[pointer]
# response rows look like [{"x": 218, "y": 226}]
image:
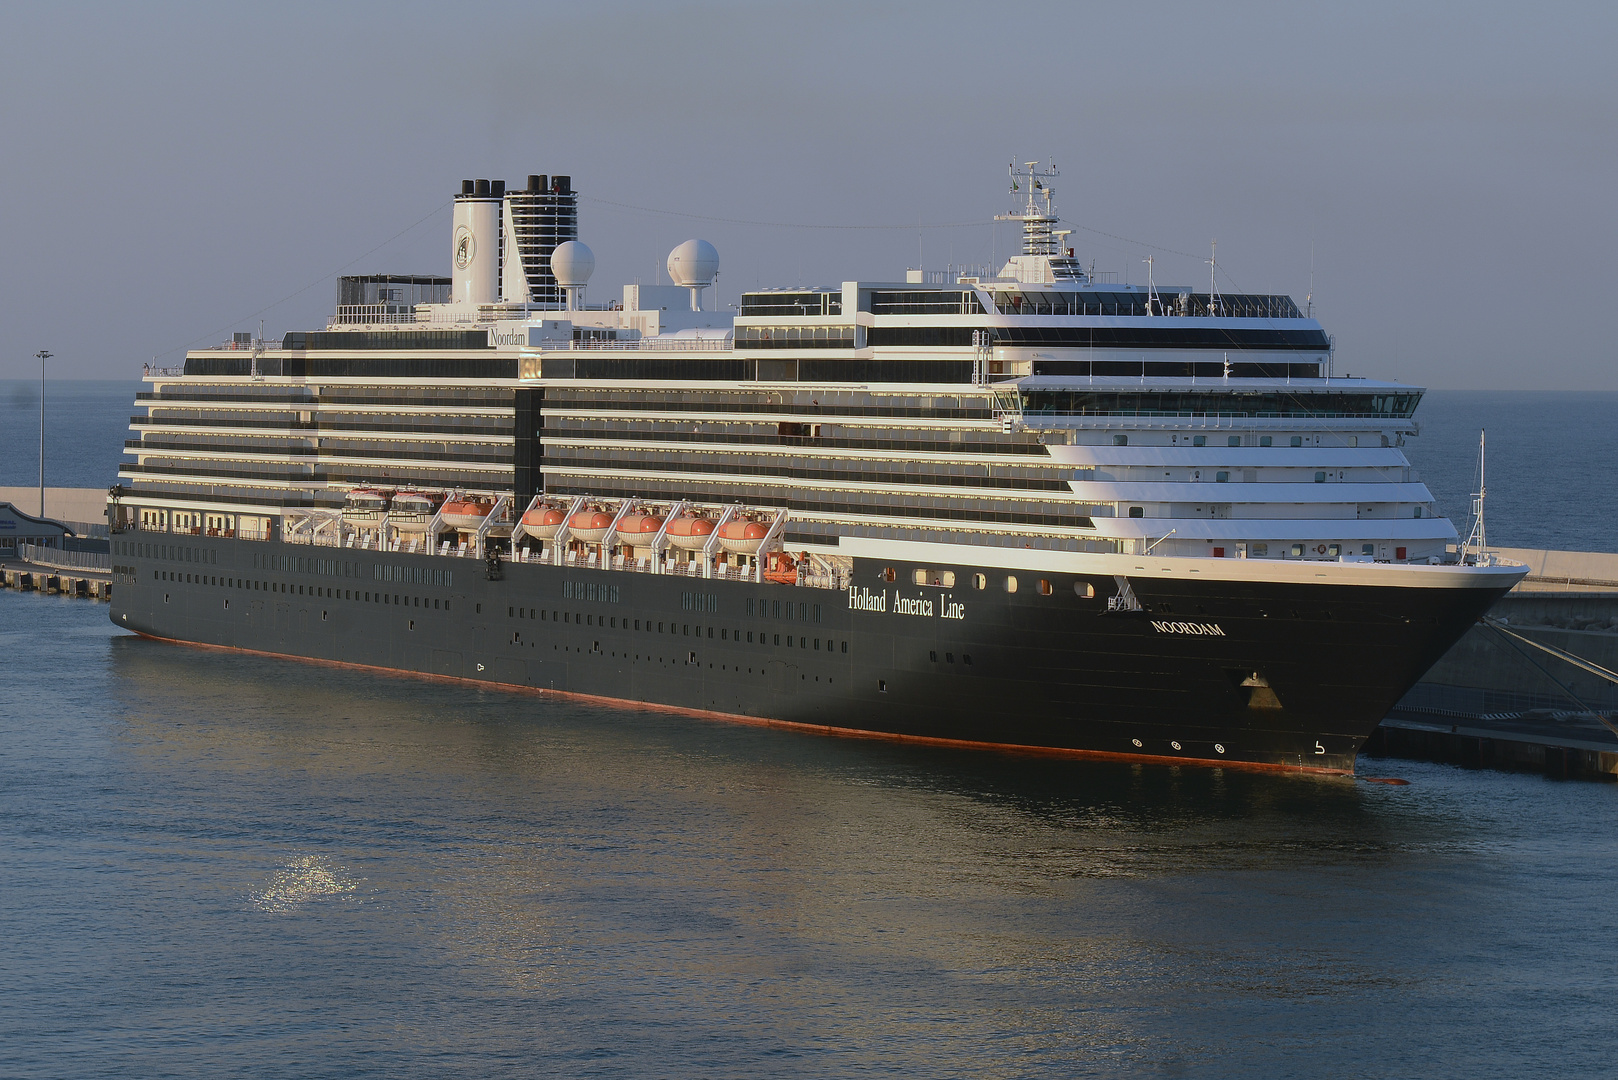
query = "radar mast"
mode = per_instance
[{"x": 1038, "y": 223}]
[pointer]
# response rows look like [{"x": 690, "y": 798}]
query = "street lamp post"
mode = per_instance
[{"x": 43, "y": 355}]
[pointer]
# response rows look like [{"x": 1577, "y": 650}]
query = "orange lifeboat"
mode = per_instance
[
  {"x": 639, "y": 529},
  {"x": 781, "y": 568},
  {"x": 742, "y": 537},
  {"x": 465, "y": 514},
  {"x": 589, "y": 525},
  {"x": 689, "y": 532},
  {"x": 542, "y": 521}
]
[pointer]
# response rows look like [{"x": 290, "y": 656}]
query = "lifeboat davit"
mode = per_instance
[
  {"x": 542, "y": 521},
  {"x": 589, "y": 525},
  {"x": 742, "y": 537},
  {"x": 365, "y": 504},
  {"x": 781, "y": 568},
  {"x": 465, "y": 513},
  {"x": 639, "y": 529},
  {"x": 689, "y": 532}
]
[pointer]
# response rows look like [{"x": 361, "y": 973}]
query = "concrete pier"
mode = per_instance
[
  {"x": 78, "y": 583},
  {"x": 1498, "y": 703}
]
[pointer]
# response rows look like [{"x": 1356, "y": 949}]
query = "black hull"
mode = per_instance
[{"x": 1052, "y": 672}]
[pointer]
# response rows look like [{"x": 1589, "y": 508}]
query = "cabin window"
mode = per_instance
[
  {"x": 1222, "y": 477},
  {"x": 1083, "y": 590},
  {"x": 1320, "y": 478},
  {"x": 980, "y": 581},
  {"x": 1120, "y": 440},
  {"x": 1011, "y": 583},
  {"x": 1353, "y": 440},
  {"x": 1297, "y": 551},
  {"x": 933, "y": 657},
  {"x": 889, "y": 574},
  {"x": 1367, "y": 549},
  {"x": 1261, "y": 550},
  {"x": 1137, "y": 511},
  {"x": 882, "y": 686},
  {"x": 1418, "y": 511},
  {"x": 1264, "y": 440},
  {"x": 945, "y": 578},
  {"x": 1044, "y": 587},
  {"x": 1334, "y": 550},
  {"x": 845, "y": 647},
  {"x": 1234, "y": 440},
  {"x": 1297, "y": 440},
  {"x": 1199, "y": 440}
]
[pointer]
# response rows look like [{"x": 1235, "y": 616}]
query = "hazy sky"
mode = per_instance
[{"x": 173, "y": 172}]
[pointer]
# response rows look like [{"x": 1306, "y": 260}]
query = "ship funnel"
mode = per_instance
[{"x": 475, "y": 256}]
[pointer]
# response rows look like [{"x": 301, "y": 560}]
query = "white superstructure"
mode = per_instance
[{"x": 1035, "y": 407}]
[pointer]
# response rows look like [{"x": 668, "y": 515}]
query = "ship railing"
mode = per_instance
[
  {"x": 717, "y": 344},
  {"x": 58, "y": 559},
  {"x": 324, "y": 531}
]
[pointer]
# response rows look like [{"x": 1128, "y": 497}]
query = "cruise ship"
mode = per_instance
[{"x": 1019, "y": 507}]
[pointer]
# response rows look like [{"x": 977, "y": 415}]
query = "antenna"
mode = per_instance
[
  {"x": 44, "y": 355},
  {"x": 1213, "y": 279},
  {"x": 1477, "y": 540},
  {"x": 1033, "y": 183},
  {"x": 1152, "y": 305},
  {"x": 1309, "y": 301}
]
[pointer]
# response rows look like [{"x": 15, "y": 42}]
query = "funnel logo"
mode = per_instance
[{"x": 465, "y": 248}]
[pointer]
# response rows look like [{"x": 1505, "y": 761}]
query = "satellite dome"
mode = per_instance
[
  {"x": 695, "y": 262},
  {"x": 572, "y": 264}
]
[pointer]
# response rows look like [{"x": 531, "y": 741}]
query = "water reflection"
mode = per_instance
[{"x": 474, "y": 881}]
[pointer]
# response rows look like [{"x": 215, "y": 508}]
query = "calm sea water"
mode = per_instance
[
  {"x": 1550, "y": 479},
  {"x": 219, "y": 865}
]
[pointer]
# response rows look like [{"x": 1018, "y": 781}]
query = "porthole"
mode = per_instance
[
  {"x": 1011, "y": 583},
  {"x": 1084, "y": 590},
  {"x": 1175, "y": 745},
  {"x": 980, "y": 581},
  {"x": 1219, "y": 748},
  {"x": 1136, "y": 742},
  {"x": 1137, "y": 511},
  {"x": 1045, "y": 587}
]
